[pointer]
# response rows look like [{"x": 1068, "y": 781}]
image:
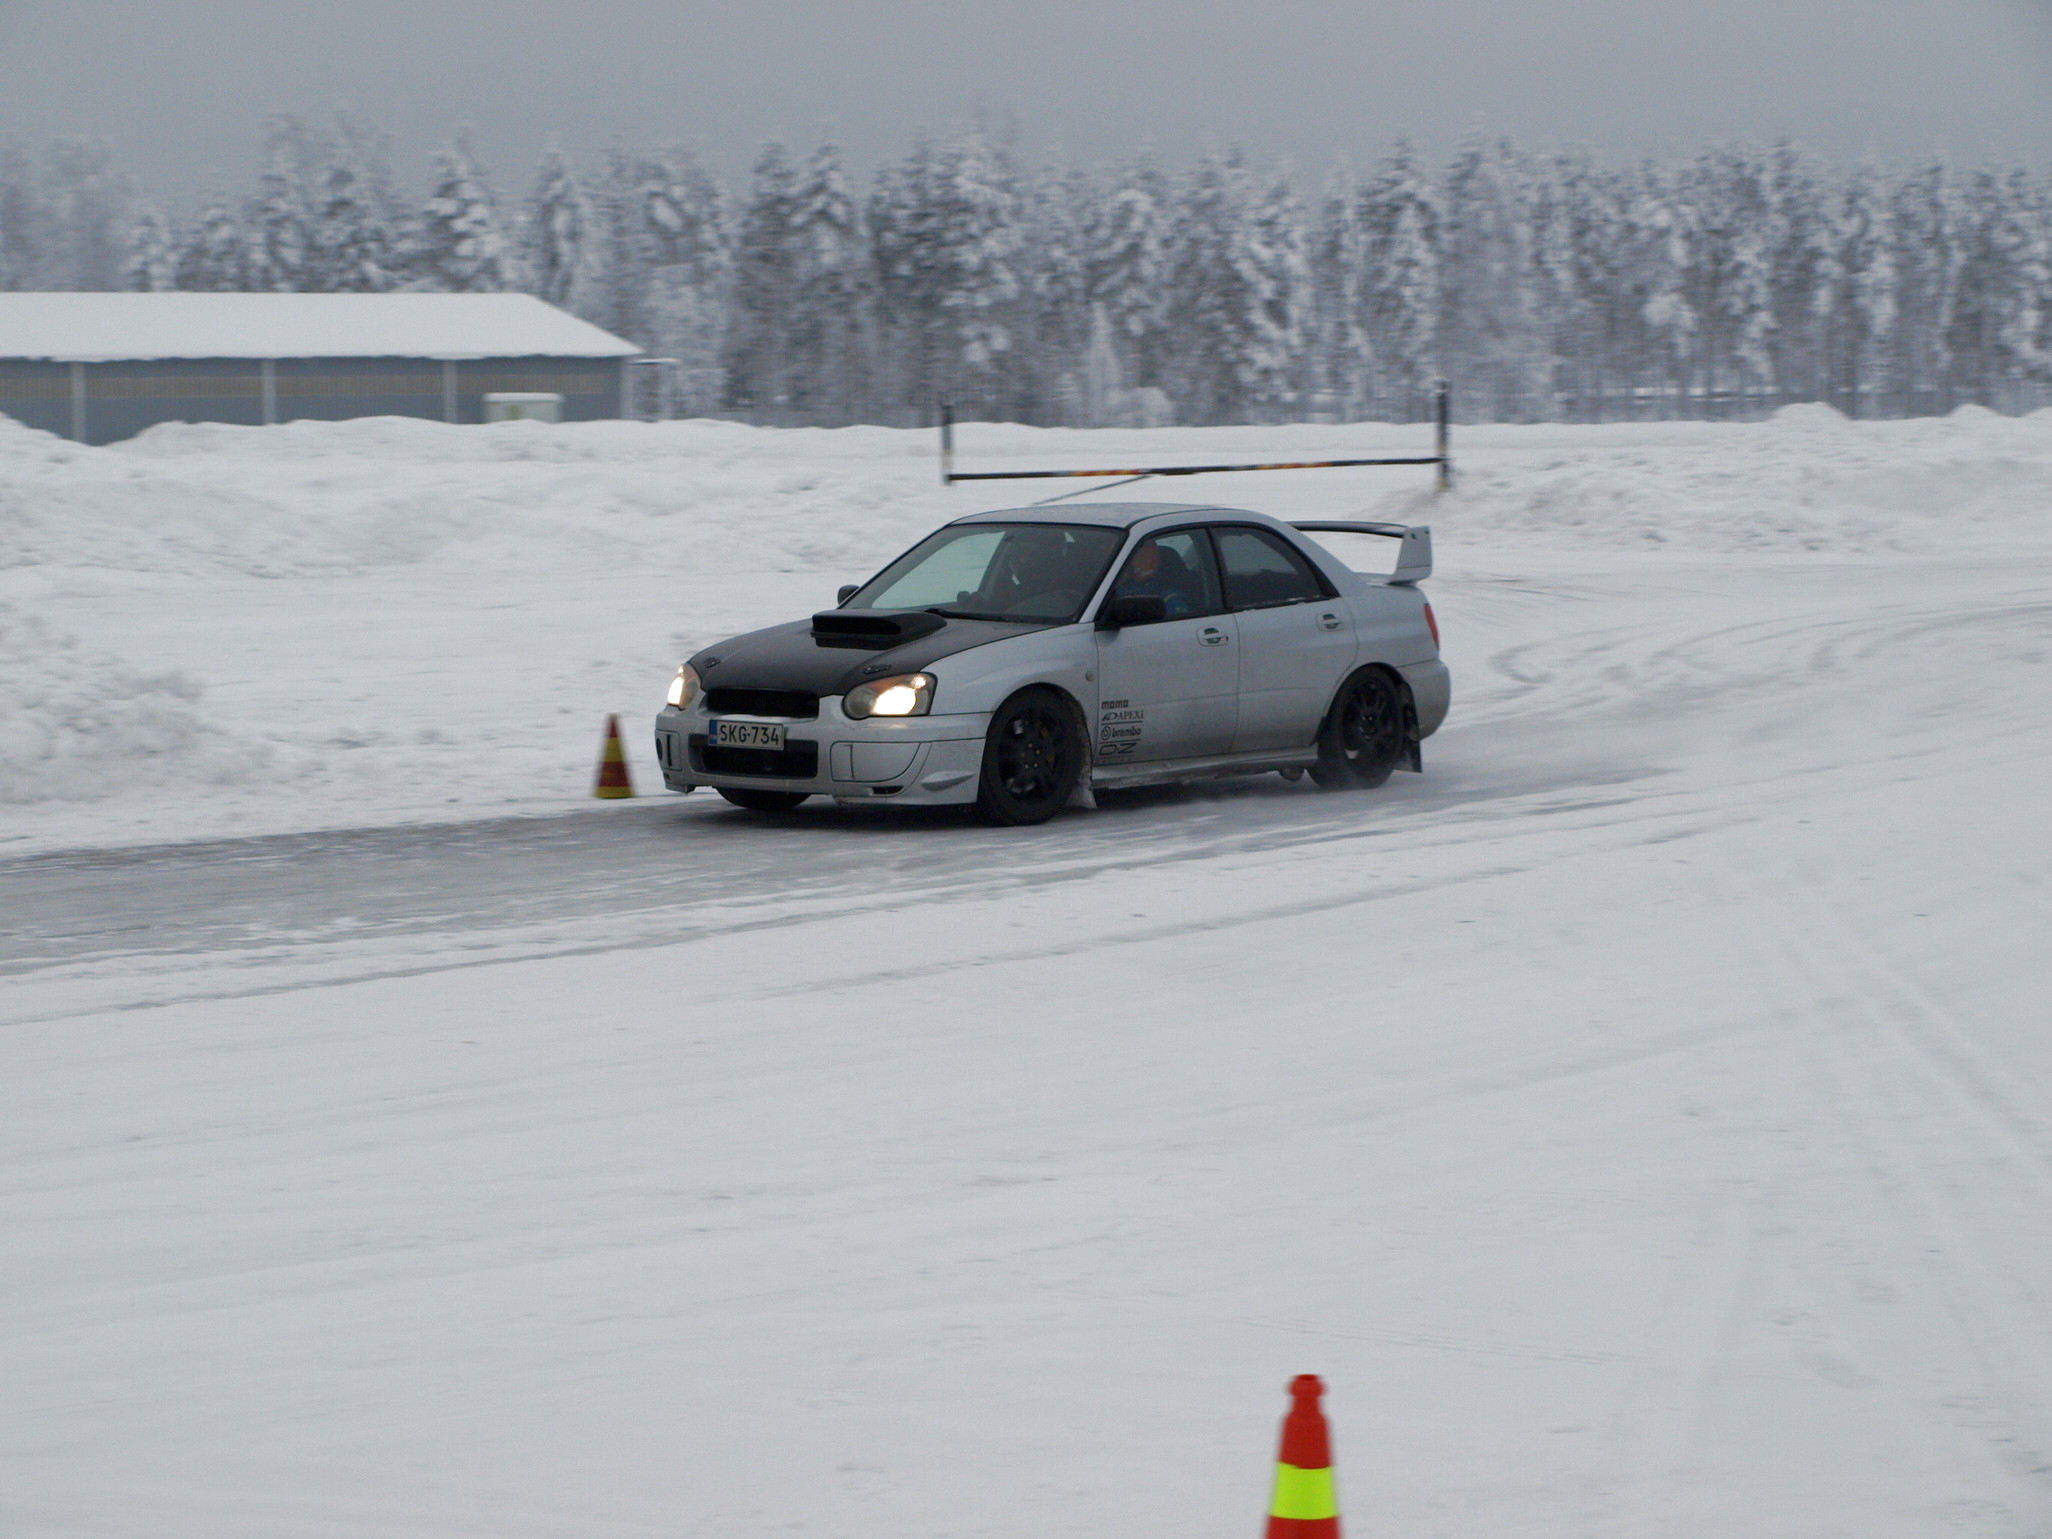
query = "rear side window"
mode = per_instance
[{"x": 1261, "y": 570}]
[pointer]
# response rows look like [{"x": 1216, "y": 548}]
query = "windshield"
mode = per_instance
[{"x": 1035, "y": 572}]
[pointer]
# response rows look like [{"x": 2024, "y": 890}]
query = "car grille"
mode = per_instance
[
  {"x": 797, "y": 761},
  {"x": 792, "y": 703}
]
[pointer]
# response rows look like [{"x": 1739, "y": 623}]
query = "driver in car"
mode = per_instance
[
  {"x": 1040, "y": 579},
  {"x": 1153, "y": 570}
]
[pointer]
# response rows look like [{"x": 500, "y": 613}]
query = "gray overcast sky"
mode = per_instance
[{"x": 181, "y": 89}]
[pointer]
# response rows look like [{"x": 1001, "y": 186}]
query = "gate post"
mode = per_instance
[{"x": 1443, "y": 411}]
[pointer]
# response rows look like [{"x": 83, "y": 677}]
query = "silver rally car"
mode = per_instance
[{"x": 1012, "y": 658}]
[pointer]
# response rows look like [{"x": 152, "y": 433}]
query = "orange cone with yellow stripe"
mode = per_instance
[
  {"x": 612, "y": 770},
  {"x": 1305, "y": 1506}
]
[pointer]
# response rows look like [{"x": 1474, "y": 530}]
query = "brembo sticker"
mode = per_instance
[{"x": 1119, "y": 729}]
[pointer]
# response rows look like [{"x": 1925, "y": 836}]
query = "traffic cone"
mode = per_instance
[
  {"x": 612, "y": 770},
  {"x": 1304, "y": 1506}
]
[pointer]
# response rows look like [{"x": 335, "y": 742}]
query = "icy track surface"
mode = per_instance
[{"x": 1643, "y": 1120}]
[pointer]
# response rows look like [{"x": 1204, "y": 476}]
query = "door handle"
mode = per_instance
[
  {"x": 1212, "y": 636},
  {"x": 1328, "y": 622}
]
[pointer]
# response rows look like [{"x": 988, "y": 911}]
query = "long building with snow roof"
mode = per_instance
[{"x": 101, "y": 367}]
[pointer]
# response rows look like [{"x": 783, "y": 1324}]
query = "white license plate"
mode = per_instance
[{"x": 744, "y": 734}]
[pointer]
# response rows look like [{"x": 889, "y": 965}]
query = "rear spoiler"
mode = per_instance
[{"x": 1414, "y": 560}]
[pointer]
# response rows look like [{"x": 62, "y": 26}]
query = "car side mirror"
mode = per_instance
[
  {"x": 848, "y": 591},
  {"x": 1133, "y": 609}
]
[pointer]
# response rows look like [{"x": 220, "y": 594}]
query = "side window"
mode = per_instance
[
  {"x": 1178, "y": 567},
  {"x": 1261, "y": 570}
]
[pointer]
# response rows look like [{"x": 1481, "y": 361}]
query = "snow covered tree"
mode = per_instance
[
  {"x": 84, "y": 217},
  {"x": 559, "y": 239},
  {"x": 459, "y": 244},
  {"x": 1871, "y": 285},
  {"x": 1400, "y": 217},
  {"x": 1806, "y": 275},
  {"x": 1562, "y": 307},
  {"x": 2019, "y": 238},
  {"x": 1662, "y": 232},
  {"x": 213, "y": 257},
  {"x": 1730, "y": 283},
  {"x": 945, "y": 230},
  {"x": 765, "y": 286},
  {"x": 1490, "y": 327},
  {"x": 1126, "y": 264},
  {"x": 1209, "y": 306},
  {"x": 20, "y": 219},
  {"x": 1056, "y": 323},
  {"x": 351, "y": 250},
  {"x": 662, "y": 263},
  {"x": 1929, "y": 221},
  {"x": 152, "y": 265},
  {"x": 1343, "y": 356},
  {"x": 830, "y": 342},
  {"x": 1239, "y": 292},
  {"x": 279, "y": 228},
  {"x": 1275, "y": 376},
  {"x": 978, "y": 221}
]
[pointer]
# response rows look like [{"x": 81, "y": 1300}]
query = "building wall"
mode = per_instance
[{"x": 123, "y": 398}]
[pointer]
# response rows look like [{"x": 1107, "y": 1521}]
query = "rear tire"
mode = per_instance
[
  {"x": 1361, "y": 740},
  {"x": 761, "y": 801},
  {"x": 1032, "y": 756}
]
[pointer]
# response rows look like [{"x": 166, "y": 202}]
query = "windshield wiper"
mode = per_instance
[{"x": 959, "y": 614}]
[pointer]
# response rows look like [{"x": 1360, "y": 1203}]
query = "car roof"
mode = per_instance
[{"x": 1115, "y": 515}]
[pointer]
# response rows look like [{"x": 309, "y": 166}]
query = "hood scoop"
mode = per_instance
[{"x": 873, "y": 628}]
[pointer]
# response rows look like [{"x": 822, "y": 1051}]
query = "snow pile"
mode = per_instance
[
  {"x": 412, "y": 619},
  {"x": 77, "y": 724},
  {"x": 1807, "y": 480},
  {"x": 319, "y": 498}
]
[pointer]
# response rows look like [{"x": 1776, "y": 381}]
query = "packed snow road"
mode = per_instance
[
  {"x": 1643, "y": 1119},
  {"x": 1580, "y": 692}
]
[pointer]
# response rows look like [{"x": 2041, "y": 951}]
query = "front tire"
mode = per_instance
[
  {"x": 761, "y": 801},
  {"x": 1361, "y": 740},
  {"x": 1032, "y": 756}
]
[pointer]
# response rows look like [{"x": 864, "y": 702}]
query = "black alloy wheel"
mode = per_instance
[
  {"x": 761, "y": 801},
  {"x": 1031, "y": 759},
  {"x": 1361, "y": 740}
]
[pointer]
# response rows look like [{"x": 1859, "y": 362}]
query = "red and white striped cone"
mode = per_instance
[{"x": 1305, "y": 1505}]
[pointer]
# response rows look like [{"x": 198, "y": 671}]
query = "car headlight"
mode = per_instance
[
  {"x": 903, "y": 694},
  {"x": 684, "y": 687}
]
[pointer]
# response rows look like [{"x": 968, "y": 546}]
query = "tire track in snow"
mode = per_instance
[{"x": 1927, "y": 1149}]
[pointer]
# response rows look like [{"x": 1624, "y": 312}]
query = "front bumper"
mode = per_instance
[{"x": 928, "y": 761}]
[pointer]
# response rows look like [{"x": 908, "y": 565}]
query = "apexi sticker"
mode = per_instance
[{"x": 1119, "y": 729}]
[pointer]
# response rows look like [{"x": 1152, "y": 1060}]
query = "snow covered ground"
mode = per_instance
[{"x": 1643, "y": 1120}]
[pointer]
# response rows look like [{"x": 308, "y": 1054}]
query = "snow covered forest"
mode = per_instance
[{"x": 1545, "y": 287}]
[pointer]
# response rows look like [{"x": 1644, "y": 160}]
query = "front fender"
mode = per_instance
[{"x": 982, "y": 680}]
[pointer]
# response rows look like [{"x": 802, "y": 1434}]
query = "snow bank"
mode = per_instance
[
  {"x": 66, "y": 710},
  {"x": 415, "y": 617},
  {"x": 318, "y": 498}
]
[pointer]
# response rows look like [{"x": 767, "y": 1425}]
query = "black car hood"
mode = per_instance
[{"x": 792, "y": 657}]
